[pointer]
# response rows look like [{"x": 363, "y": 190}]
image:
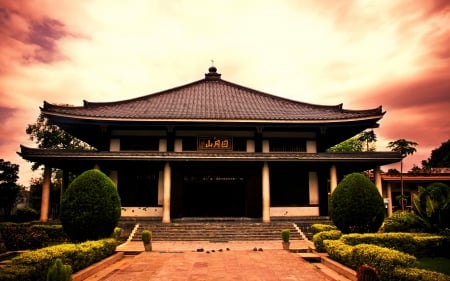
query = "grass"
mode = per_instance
[{"x": 435, "y": 264}]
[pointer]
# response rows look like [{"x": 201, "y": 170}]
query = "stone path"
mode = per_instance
[{"x": 218, "y": 261}]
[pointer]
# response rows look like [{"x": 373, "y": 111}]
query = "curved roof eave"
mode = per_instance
[{"x": 199, "y": 120}]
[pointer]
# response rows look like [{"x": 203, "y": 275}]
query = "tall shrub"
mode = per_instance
[
  {"x": 90, "y": 208},
  {"x": 356, "y": 206}
]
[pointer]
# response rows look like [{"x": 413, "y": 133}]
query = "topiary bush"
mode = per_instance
[
  {"x": 90, "y": 208},
  {"x": 356, "y": 206}
]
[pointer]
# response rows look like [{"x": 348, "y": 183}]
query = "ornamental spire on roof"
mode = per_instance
[{"x": 212, "y": 74}]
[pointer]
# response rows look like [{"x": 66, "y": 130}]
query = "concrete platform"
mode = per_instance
[{"x": 235, "y": 260}]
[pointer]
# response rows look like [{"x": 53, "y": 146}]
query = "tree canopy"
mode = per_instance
[
  {"x": 9, "y": 190},
  {"x": 356, "y": 143},
  {"x": 439, "y": 158},
  {"x": 47, "y": 135},
  {"x": 405, "y": 147}
]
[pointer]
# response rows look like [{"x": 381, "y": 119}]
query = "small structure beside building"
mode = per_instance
[{"x": 411, "y": 182}]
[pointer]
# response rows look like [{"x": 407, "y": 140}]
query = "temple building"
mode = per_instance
[{"x": 213, "y": 148}]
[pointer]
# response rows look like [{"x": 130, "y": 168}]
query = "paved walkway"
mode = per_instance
[{"x": 218, "y": 261}]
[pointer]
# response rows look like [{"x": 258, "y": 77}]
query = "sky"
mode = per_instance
[{"x": 361, "y": 53}]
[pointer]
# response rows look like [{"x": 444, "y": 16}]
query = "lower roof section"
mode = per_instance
[{"x": 55, "y": 156}]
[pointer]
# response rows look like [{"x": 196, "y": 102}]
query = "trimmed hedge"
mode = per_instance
[
  {"x": 403, "y": 221},
  {"x": 325, "y": 235},
  {"x": 55, "y": 232},
  {"x": 419, "y": 245},
  {"x": 34, "y": 265},
  {"x": 21, "y": 236},
  {"x": 416, "y": 274},
  {"x": 383, "y": 259},
  {"x": 319, "y": 227}
]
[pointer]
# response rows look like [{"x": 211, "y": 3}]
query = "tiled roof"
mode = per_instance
[
  {"x": 41, "y": 155},
  {"x": 211, "y": 99}
]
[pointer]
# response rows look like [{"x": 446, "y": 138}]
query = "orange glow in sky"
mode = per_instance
[{"x": 361, "y": 53}]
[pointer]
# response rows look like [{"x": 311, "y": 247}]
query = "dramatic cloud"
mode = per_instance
[{"x": 357, "y": 52}]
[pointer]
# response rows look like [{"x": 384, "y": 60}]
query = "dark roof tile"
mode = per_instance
[{"x": 210, "y": 99}]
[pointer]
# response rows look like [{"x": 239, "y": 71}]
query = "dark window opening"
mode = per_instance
[
  {"x": 287, "y": 145},
  {"x": 239, "y": 144},
  {"x": 190, "y": 144},
  {"x": 138, "y": 189},
  {"x": 139, "y": 143}
]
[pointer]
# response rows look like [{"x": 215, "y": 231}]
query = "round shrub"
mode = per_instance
[
  {"x": 25, "y": 215},
  {"x": 90, "y": 208},
  {"x": 356, "y": 206}
]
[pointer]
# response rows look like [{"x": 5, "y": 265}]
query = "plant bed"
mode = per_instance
[{"x": 439, "y": 264}]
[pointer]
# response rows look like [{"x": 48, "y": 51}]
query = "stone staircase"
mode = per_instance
[
  {"x": 216, "y": 231},
  {"x": 304, "y": 224}
]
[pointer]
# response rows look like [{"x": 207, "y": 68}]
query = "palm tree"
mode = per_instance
[
  {"x": 405, "y": 148},
  {"x": 367, "y": 137}
]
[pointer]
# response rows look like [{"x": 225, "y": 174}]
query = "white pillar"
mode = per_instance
[
  {"x": 265, "y": 146},
  {"x": 389, "y": 196},
  {"x": 313, "y": 188},
  {"x": 311, "y": 146},
  {"x": 114, "y": 145},
  {"x": 161, "y": 188},
  {"x": 250, "y": 146},
  {"x": 265, "y": 193},
  {"x": 333, "y": 178},
  {"x": 162, "y": 145},
  {"x": 45, "y": 199},
  {"x": 114, "y": 176},
  {"x": 377, "y": 178},
  {"x": 166, "y": 198}
]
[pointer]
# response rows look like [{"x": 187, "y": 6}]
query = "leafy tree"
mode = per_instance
[
  {"x": 90, "y": 208},
  {"x": 440, "y": 157},
  {"x": 368, "y": 137},
  {"x": 51, "y": 136},
  {"x": 432, "y": 205},
  {"x": 405, "y": 148},
  {"x": 353, "y": 144},
  {"x": 356, "y": 205},
  {"x": 356, "y": 143},
  {"x": 9, "y": 190}
]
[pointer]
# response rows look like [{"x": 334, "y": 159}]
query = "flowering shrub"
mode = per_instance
[{"x": 22, "y": 237}]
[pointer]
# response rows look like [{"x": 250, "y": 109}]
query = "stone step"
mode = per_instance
[{"x": 220, "y": 231}]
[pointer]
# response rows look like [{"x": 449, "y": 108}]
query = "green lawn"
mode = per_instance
[{"x": 436, "y": 264}]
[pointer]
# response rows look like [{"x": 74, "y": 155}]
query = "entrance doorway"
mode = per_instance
[{"x": 214, "y": 196}]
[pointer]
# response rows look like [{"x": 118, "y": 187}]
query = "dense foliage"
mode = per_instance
[
  {"x": 23, "y": 237},
  {"x": 403, "y": 221},
  {"x": 356, "y": 205},
  {"x": 90, "y": 208},
  {"x": 432, "y": 205},
  {"x": 319, "y": 237},
  {"x": 25, "y": 215},
  {"x": 34, "y": 265},
  {"x": 440, "y": 157},
  {"x": 9, "y": 190}
]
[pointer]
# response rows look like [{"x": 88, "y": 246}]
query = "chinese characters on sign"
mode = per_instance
[{"x": 215, "y": 143}]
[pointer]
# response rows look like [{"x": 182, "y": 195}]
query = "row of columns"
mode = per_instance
[
  {"x": 167, "y": 190},
  {"x": 334, "y": 179}
]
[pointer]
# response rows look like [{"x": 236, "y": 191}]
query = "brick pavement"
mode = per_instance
[{"x": 218, "y": 261}]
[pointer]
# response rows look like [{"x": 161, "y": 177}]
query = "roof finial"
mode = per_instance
[{"x": 212, "y": 75}]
